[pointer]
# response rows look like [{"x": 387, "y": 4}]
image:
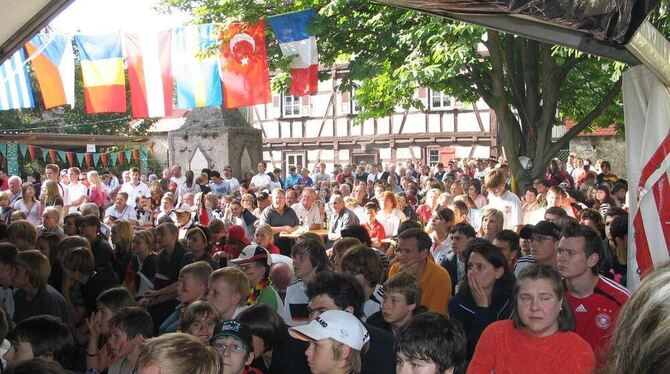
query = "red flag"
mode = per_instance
[
  {"x": 244, "y": 66},
  {"x": 104, "y": 157},
  {"x": 122, "y": 158},
  {"x": 53, "y": 156},
  {"x": 203, "y": 217},
  {"x": 89, "y": 159},
  {"x": 136, "y": 155},
  {"x": 70, "y": 158},
  {"x": 31, "y": 151}
]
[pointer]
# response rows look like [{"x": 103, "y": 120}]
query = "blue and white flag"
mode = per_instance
[{"x": 16, "y": 92}]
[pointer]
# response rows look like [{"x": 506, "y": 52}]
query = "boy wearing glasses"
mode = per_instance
[{"x": 233, "y": 342}]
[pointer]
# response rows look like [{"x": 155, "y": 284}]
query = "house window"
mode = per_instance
[
  {"x": 439, "y": 100},
  {"x": 433, "y": 157},
  {"x": 291, "y": 106},
  {"x": 294, "y": 159},
  {"x": 355, "y": 106}
]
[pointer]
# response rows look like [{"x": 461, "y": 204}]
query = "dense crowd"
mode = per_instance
[{"x": 362, "y": 269}]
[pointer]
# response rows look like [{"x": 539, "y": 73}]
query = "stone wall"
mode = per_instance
[
  {"x": 214, "y": 138},
  {"x": 610, "y": 148}
]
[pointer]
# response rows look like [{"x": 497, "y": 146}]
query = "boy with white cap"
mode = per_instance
[{"x": 336, "y": 339}]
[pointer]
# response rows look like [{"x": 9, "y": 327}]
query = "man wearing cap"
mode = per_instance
[
  {"x": 234, "y": 343},
  {"x": 336, "y": 339},
  {"x": 594, "y": 299},
  {"x": 543, "y": 244},
  {"x": 184, "y": 219},
  {"x": 218, "y": 185},
  {"x": 282, "y": 219},
  {"x": 233, "y": 183},
  {"x": 255, "y": 261},
  {"x": 263, "y": 201},
  {"x": 292, "y": 178}
]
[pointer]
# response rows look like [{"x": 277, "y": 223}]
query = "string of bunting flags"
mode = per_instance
[
  {"x": 88, "y": 159},
  {"x": 177, "y": 62}
]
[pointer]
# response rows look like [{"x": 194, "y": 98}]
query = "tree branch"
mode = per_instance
[{"x": 587, "y": 120}]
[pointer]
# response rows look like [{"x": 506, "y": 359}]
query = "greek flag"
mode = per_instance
[{"x": 15, "y": 92}]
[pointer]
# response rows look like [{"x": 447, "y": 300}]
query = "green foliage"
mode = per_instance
[{"x": 390, "y": 52}]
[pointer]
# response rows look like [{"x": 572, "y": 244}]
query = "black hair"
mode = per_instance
[
  {"x": 423, "y": 240},
  {"x": 407, "y": 225},
  {"x": 619, "y": 227},
  {"x": 509, "y": 236},
  {"x": 502, "y": 288},
  {"x": 7, "y": 252},
  {"x": 463, "y": 228},
  {"x": 133, "y": 321},
  {"x": 432, "y": 337},
  {"x": 116, "y": 298},
  {"x": 593, "y": 243},
  {"x": 265, "y": 323},
  {"x": 359, "y": 232},
  {"x": 35, "y": 365},
  {"x": 48, "y": 336},
  {"x": 344, "y": 289},
  {"x": 315, "y": 251}
]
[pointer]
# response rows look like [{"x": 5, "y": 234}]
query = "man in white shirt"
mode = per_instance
[
  {"x": 233, "y": 183},
  {"x": 135, "y": 188},
  {"x": 260, "y": 181},
  {"x": 77, "y": 193},
  {"x": 177, "y": 177},
  {"x": 121, "y": 210},
  {"x": 503, "y": 200},
  {"x": 307, "y": 212}
]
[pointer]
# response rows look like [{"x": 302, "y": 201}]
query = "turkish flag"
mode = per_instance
[{"x": 244, "y": 65}]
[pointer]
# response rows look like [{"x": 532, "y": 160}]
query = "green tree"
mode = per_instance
[{"x": 531, "y": 86}]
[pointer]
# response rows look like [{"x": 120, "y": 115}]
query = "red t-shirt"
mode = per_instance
[
  {"x": 502, "y": 349},
  {"x": 273, "y": 249},
  {"x": 375, "y": 230},
  {"x": 596, "y": 314}
]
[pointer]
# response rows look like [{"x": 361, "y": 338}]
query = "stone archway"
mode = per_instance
[{"x": 199, "y": 160}]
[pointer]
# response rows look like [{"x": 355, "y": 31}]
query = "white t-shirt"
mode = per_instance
[
  {"x": 134, "y": 191},
  {"x": 74, "y": 192},
  {"x": 510, "y": 205},
  {"x": 308, "y": 217},
  {"x": 233, "y": 184},
  {"x": 261, "y": 180},
  {"x": 181, "y": 180}
]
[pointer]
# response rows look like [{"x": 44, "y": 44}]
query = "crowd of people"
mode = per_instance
[{"x": 360, "y": 269}]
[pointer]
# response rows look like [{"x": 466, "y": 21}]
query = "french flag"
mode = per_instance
[
  {"x": 291, "y": 32},
  {"x": 149, "y": 73}
]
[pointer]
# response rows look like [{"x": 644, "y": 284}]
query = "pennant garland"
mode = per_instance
[
  {"x": 23, "y": 148},
  {"x": 96, "y": 159},
  {"x": 113, "y": 157},
  {"x": 31, "y": 152},
  {"x": 53, "y": 155},
  {"x": 45, "y": 152},
  {"x": 70, "y": 158},
  {"x": 61, "y": 154},
  {"x": 104, "y": 158}
]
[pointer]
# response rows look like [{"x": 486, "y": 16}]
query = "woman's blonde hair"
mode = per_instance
[
  {"x": 126, "y": 233},
  {"x": 641, "y": 337},
  {"x": 94, "y": 178},
  {"x": 51, "y": 188},
  {"x": 490, "y": 212}
]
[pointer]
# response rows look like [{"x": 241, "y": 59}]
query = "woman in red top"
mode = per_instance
[
  {"x": 539, "y": 338},
  {"x": 265, "y": 238},
  {"x": 375, "y": 229}
]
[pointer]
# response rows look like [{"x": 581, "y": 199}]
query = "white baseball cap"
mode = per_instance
[{"x": 335, "y": 324}]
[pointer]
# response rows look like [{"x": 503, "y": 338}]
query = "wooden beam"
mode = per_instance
[{"x": 479, "y": 117}]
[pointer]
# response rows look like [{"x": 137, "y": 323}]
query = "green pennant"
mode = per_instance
[
  {"x": 112, "y": 157},
  {"x": 144, "y": 153},
  {"x": 13, "y": 159},
  {"x": 62, "y": 156},
  {"x": 96, "y": 158},
  {"x": 129, "y": 156},
  {"x": 80, "y": 158},
  {"x": 23, "y": 148},
  {"x": 45, "y": 153},
  {"x": 3, "y": 149}
]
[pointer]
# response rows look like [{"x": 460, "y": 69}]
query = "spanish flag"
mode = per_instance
[
  {"x": 102, "y": 70},
  {"x": 53, "y": 64}
]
